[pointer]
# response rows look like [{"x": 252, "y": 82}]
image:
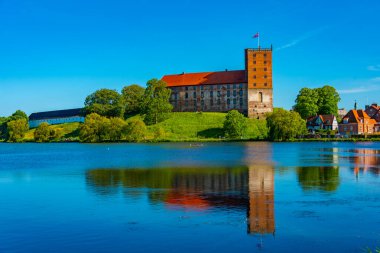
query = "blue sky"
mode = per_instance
[{"x": 54, "y": 53}]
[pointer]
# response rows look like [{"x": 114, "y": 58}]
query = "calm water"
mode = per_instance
[{"x": 235, "y": 197}]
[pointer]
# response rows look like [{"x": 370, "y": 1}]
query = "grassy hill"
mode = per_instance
[
  {"x": 68, "y": 131},
  {"x": 180, "y": 126}
]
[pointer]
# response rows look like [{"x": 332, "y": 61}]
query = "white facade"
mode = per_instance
[{"x": 56, "y": 121}]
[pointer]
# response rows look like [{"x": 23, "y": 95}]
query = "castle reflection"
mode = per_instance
[{"x": 248, "y": 189}]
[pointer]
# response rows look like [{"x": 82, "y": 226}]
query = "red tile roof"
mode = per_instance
[
  {"x": 355, "y": 116},
  {"x": 222, "y": 77}
]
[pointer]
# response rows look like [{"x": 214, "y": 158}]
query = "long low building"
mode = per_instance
[{"x": 57, "y": 117}]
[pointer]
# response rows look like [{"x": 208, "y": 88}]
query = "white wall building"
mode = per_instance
[{"x": 56, "y": 117}]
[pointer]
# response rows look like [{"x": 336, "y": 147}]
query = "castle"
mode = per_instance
[{"x": 249, "y": 91}]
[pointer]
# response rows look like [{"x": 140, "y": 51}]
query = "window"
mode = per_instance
[
  {"x": 254, "y": 77},
  {"x": 265, "y": 76},
  {"x": 265, "y": 55},
  {"x": 194, "y": 88},
  {"x": 211, "y": 94},
  {"x": 175, "y": 96},
  {"x": 218, "y": 101},
  {"x": 265, "y": 62},
  {"x": 241, "y": 93},
  {"x": 202, "y": 102},
  {"x": 254, "y": 84},
  {"x": 241, "y": 102},
  {"x": 260, "y": 97},
  {"x": 254, "y": 62},
  {"x": 254, "y": 69},
  {"x": 202, "y": 95},
  {"x": 265, "y": 69},
  {"x": 228, "y": 86},
  {"x": 218, "y": 94},
  {"x": 254, "y": 55},
  {"x": 201, "y": 87},
  {"x": 228, "y": 93},
  {"x": 265, "y": 84},
  {"x": 211, "y": 102},
  {"x": 234, "y": 101},
  {"x": 187, "y": 88},
  {"x": 234, "y": 93},
  {"x": 186, "y": 94},
  {"x": 195, "y": 103},
  {"x": 228, "y": 101},
  {"x": 235, "y": 86},
  {"x": 241, "y": 86},
  {"x": 219, "y": 86},
  {"x": 194, "y": 94}
]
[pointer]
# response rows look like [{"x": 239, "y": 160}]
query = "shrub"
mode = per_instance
[
  {"x": 135, "y": 130},
  {"x": 45, "y": 133},
  {"x": 16, "y": 129},
  {"x": 235, "y": 125}
]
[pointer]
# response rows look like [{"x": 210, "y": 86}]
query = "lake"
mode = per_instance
[{"x": 177, "y": 197}]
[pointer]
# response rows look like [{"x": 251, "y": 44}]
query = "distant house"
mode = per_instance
[
  {"x": 342, "y": 112},
  {"x": 357, "y": 122},
  {"x": 56, "y": 117},
  {"x": 322, "y": 122},
  {"x": 374, "y": 112}
]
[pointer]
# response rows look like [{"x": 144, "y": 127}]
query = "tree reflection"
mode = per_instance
[{"x": 322, "y": 178}]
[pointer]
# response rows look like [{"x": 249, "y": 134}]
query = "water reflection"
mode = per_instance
[
  {"x": 367, "y": 160},
  {"x": 246, "y": 189},
  {"x": 322, "y": 178}
]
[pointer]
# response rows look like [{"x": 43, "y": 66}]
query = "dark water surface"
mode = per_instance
[{"x": 222, "y": 197}]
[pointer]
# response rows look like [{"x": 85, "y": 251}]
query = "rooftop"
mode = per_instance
[
  {"x": 206, "y": 78},
  {"x": 57, "y": 114}
]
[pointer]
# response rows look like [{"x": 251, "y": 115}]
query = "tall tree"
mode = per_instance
[
  {"x": 132, "y": 96},
  {"x": 307, "y": 102},
  {"x": 285, "y": 125},
  {"x": 105, "y": 102},
  {"x": 156, "y": 104},
  {"x": 328, "y": 99}
]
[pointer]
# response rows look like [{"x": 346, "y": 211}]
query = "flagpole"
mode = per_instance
[{"x": 258, "y": 41}]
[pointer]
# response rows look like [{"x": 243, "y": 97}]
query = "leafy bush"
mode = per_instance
[
  {"x": 285, "y": 125},
  {"x": 16, "y": 129},
  {"x": 135, "y": 130},
  {"x": 235, "y": 125},
  {"x": 45, "y": 133}
]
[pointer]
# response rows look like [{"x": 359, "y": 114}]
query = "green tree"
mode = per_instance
[
  {"x": 285, "y": 125},
  {"x": 135, "y": 130},
  {"x": 16, "y": 129},
  {"x": 307, "y": 102},
  {"x": 116, "y": 129},
  {"x": 18, "y": 115},
  {"x": 328, "y": 99},
  {"x": 105, "y": 102},
  {"x": 94, "y": 129},
  {"x": 235, "y": 124},
  {"x": 132, "y": 97},
  {"x": 156, "y": 104}
]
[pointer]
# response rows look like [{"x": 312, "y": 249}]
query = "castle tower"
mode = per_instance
[{"x": 258, "y": 67}]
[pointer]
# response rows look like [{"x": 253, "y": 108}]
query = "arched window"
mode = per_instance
[{"x": 260, "y": 97}]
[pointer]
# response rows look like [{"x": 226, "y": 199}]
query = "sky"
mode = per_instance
[{"x": 55, "y": 53}]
